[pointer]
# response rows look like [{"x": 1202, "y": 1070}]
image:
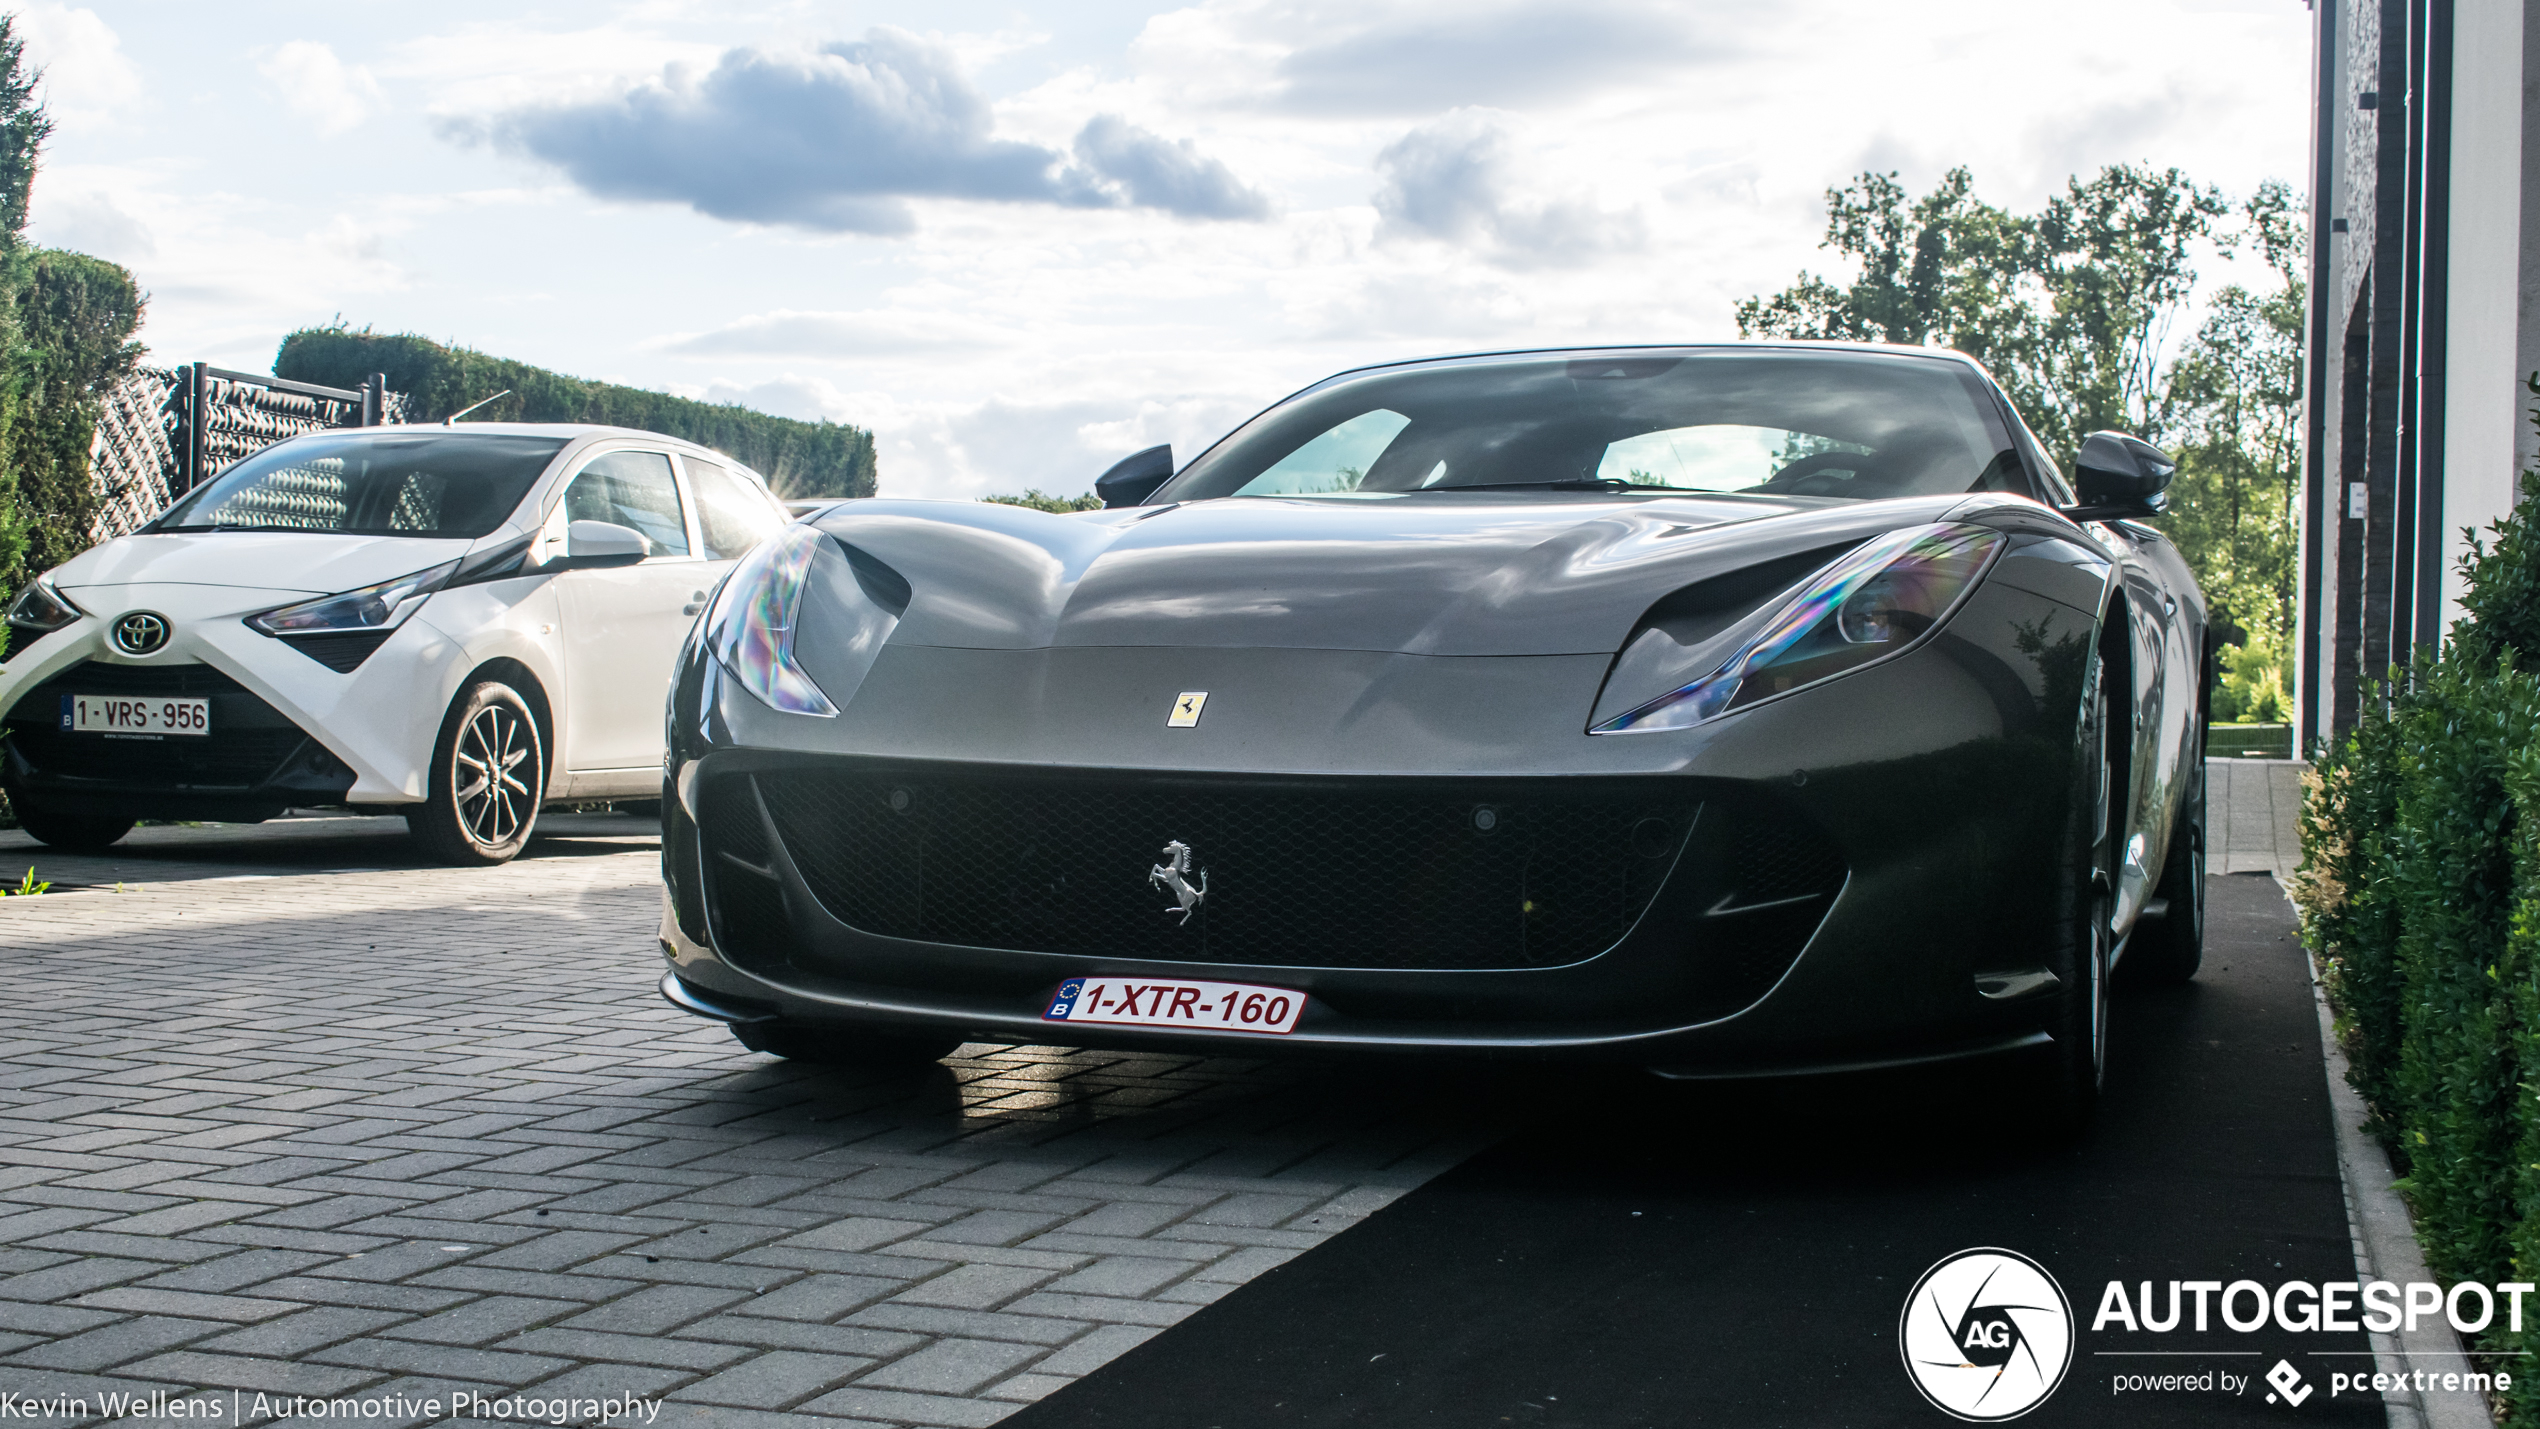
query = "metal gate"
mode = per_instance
[{"x": 162, "y": 431}]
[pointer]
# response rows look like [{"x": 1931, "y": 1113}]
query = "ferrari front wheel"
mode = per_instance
[
  {"x": 489, "y": 773},
  {"x": 2169, "y": 948},
  {"x": 2080, "y": 1027}
]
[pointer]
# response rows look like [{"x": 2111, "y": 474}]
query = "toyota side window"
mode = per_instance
[
  {"x": 634, "y": 490},
  {"x": 731, "y": 514}
]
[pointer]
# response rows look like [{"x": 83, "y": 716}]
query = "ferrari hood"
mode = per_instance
[
  {"x": 320, "y": 563},
  {"x": 1425, "y": 573}
]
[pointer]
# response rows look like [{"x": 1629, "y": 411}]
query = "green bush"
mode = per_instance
[
  {"x": 1040, "y": 500},
  {"x": 2420, "y": 893},
  {"x": 797, "y": 458},
  {"x": 75, "y": 316},
  {"x": 2251, "y": 690}
]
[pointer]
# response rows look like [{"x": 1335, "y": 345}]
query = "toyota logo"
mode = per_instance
[{"x": 141, "y": 632}]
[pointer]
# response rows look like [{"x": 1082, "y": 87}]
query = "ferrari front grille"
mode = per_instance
[{"x": 1295, "y": 875}]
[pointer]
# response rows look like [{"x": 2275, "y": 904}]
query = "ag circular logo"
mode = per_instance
[
  {"x": 141, "y": 632},
  {"x": 1987, "y": 1334}
]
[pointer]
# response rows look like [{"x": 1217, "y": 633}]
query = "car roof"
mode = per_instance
[
  {"x": 1944, "y": 354},
  {"x": 570, "y": 432},
  {"x": 567, "y": 430}
]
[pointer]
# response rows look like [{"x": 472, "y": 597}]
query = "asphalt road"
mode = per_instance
[
  {"x": 1736, "y": 1254},
  {"x": 225, "y": 1163}
]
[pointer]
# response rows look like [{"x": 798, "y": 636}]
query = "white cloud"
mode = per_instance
[
  {"x": 319, "y": 87},
  {"x": 1330, "y": 59},
  {"x": 837, "y": 336},
  {"x": 87, "y": 77},
  {"x": 1422, "y": 59},
  {"x": 998, "y": 446},
  {"x": 88, "y": 221},
  {"x": 1150, "y": 171},
  {"x": 1454, "y": 179},
  {"x": 1005, "y": 445},
  {"x": 1627, "y": 177},
  {"x": 839, "y": 138}
]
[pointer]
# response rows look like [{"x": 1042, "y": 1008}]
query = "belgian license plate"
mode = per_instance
[
  {"x": 1151, "y": 1002},
  {"x": 119, "y": 714}
]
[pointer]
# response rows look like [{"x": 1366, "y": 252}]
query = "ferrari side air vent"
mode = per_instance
[
  {"x": 1763, "y": 877},
  {"x": 745, "y": 905}
]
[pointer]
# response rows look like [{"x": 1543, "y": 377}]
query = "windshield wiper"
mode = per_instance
[{"x": 1572, "y": 483}]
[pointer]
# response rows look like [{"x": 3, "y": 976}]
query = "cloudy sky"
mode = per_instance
[{"x": 1019, "y": 240}]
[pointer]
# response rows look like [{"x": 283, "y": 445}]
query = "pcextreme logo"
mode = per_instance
[{"x": 1986, "y": 1335}]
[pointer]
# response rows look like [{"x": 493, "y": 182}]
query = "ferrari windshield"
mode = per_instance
[
  {"x": 419, "y": 482},
  {"x": 1789, "y": 422}
]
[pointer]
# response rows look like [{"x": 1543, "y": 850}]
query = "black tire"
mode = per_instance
[
  {"x": 2079, "y": 1058},
  {"x": 844, "y": 1046},
  {"x": 2167, "y": 950},
  {"x": 72, "y": 830},
  {"x": 489, "y": 773}
]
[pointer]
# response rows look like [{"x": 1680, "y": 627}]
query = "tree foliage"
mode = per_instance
[
  {"x": 24, "y": 126},
  {"x": 797, "y": 458},
  {"x": 66, "y": 326},
  {"x": 2074, "y": 309}
]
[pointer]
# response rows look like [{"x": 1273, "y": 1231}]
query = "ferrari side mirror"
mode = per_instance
[
  {"x": 2119, "y": 476},
  {"x": 1133, "y": 479}
]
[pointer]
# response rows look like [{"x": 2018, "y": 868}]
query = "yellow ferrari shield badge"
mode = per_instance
[{"x": 1186, "y": 708}]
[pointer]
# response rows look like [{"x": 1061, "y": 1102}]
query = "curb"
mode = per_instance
[{"x": 2386, "y": 1247}]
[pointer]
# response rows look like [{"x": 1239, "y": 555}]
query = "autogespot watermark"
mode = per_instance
[
  {"x": 247, "y": 1406},
  {"x": 1987, "y": 1334},
  {"x": 2302, "y": 1307}
]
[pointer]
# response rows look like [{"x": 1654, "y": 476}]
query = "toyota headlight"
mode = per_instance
[
  {"x": 384, "y": 606},
  {"x": 751, "y": 627},
  {"x": 42, "y": 608},
  {"x": 1872, "y": 603}
]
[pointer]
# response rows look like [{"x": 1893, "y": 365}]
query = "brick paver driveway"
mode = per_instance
[{"x": 291, "y": 1116}]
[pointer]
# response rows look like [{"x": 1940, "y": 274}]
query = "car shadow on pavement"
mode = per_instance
[
  {"x": 302, "y": 844},
  {"x": 1641, "y": 1254}
]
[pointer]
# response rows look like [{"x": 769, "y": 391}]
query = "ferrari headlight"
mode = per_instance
[
  {"x": 42, "y": 608},
  {"x": 1873, "y": 602},
  {"x": 384, "y": 606},
  {"x": 751, "y": 628}
]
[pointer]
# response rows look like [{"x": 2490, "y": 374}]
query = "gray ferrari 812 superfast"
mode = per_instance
[{"x": 1724, "y": 710}]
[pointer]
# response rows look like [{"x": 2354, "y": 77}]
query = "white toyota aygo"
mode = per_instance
[{"x": 458, "y": 624}]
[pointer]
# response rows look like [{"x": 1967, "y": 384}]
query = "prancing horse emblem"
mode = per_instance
[{"x": 1171, "y": 874}]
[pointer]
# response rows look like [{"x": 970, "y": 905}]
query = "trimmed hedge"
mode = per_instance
[
  {"x": 75, "y": 317},
  {"x": 2420, "y": 894},
  {"x": 797, "y": 458}
]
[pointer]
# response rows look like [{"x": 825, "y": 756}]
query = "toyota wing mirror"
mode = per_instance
[
  {"x": 599, "y": 545},
  {"x": 1133, "y": 479},
  {"x": 2120, "y": 476}
]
